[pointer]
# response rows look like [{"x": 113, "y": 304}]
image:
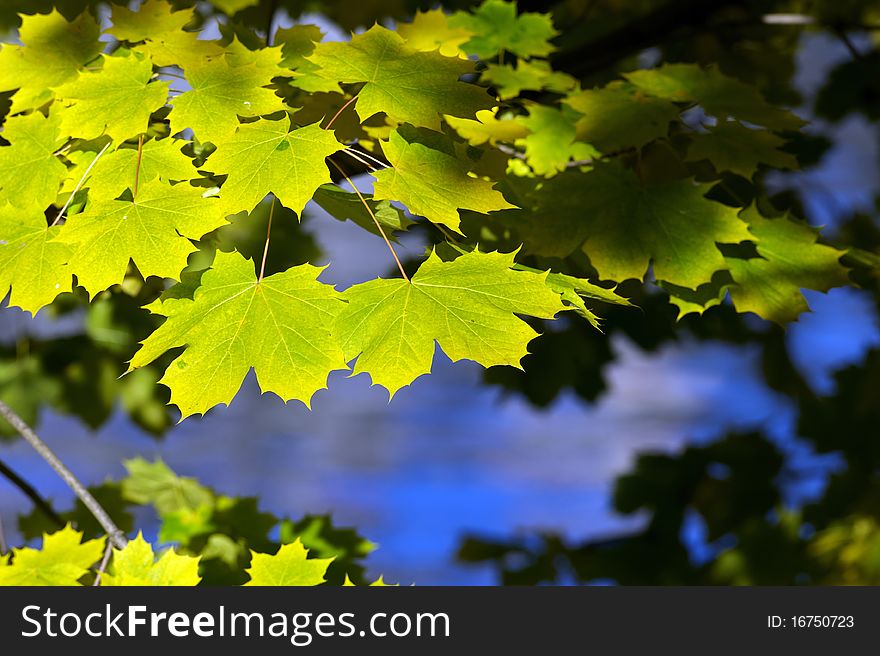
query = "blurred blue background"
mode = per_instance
[{"x": 451, "y": 456}]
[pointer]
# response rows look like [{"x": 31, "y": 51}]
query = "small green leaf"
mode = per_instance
[
  {"x": 136, "y": 565},
  {"x": 497, "y": 28},
  {"x": 289, "y": 567}
]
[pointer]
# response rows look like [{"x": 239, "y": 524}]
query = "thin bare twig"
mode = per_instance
[
  {"x": 80, "y": 183},
  {"x": 104, "y": 562},
  {"x": 31, "y": 493},
  {"x": 268, "y": 234},
  {"x": 115, "y": 535},
  {"x": 375, "y": 220},
  {"x": 3, "y": 546}
]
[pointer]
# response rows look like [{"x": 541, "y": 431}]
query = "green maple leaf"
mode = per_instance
[
  {"x": 220, "y": 94},
  {"x": 155, "y": 484},
  {"x": 153, "y": 18},
  {"x": 280, "y": 326},
  {"x": 487, "y": 128},
  {"x": 430, "y": 30},
  {"x": 552, "y": 142},
  {"x": 618, "y": 116},
  {"x": 497, "y": 28},
  {"x": 148, "y": 231},
  {"x": 30, "y": 174},
  {"x": 535, "y": 75},
  {"x": 291, "y": 566},
  {"x": 267, "y": 157},
  {"x": 31, "y": 261},
  {"x": 345, "y": 205},
  {"x": 297, "y": 43},
  {"x": 468, "y": 306},
  {"x": 432, "y": 183},
  {"x": 408, "y": 85},
  {"x": 115, "y": 172},
  {"x": 53, "y": 51},
  {"x": 267, "y": 60},
  {"x": 790, "y": 260},
  {"x": 160, "y": 27},
  {"x": 136, "y": 565},
  {"x": 624, "y": 226},
  {"x": 63, "y": 560},
  {"x": 719, "y": 95},
  {"x": 116, "y": 100},
  {"x": 731, "y": 146}
]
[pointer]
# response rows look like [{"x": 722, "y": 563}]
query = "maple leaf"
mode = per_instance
[
  {"x": 731, "y": 146},
  {"x": 31, "y": 262},
  {"x": 408, "y": 85},
  {"x": 430, "y": 30},
  {"x": 63, "y": 560},
  {"x": 53, "y": 51},
  {"x": 624, "y": 225},
  {"x": 116, "y": 100},
  {"x": 618, "y": 116},
  {"x": 790, "y": 260},
  {"x": 297, "y": 43},
  {"x": 496, "y": 28},
  {"x": 468, "y": 306},
  {"x": 719, "y": 95},
  {"x": 278, "y": 325},
  {"x": 220, "y": 94},
  {"x": 487, "y": 128},
  {"x": 154, "y": 483},
  {"x": 552, "y": 142},
  {"x": 30, "y": 174},
  {"x": 161, "y": 28},
  {"x": 148, "y": 230},
  {"x": 115, "y": 172},
  {"x": 423, "y": 179},
  {"x": 535, "y": 75},
  {"x": 267, "y": 157},
  {"x": 231, "y": 7},
  {"x": 136, "y": 565},
  {"x": 291, "y": 566}
]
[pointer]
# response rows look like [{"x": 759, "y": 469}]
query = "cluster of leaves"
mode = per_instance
[
  {"x": 538, "y": 194},
  {"x": 218, "y": 540}
]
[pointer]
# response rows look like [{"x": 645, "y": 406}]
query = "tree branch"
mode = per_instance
[
  {"x": 116, "y": 536},
  {"x": 31, "y": 493}
]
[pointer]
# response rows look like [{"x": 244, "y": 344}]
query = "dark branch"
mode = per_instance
[{"x": 31, "y": 493}]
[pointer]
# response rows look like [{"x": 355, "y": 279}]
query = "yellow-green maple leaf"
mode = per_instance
[
  {"x": 150, "y": 231},
  {"x": 430, "y": 30},
  {"x": 291, "y": 566},
  {"x": 63, "y": 560},
  {"x": 731, "y": 146},
  {"x": 161, "y": 28},
  {"x": 408, "y": 85},
  {"x": 32, "y": 262},
  {"x": 116, "y": 100},
  {"x": 297, "y": 43},
  {"x": 533, "y": 75},
  {"x": 552, "y": 140},
  {"x": 53, "y": 51},
  {"x": 468, "y": 306},
  {"x": 115, "y": 172},
  {"x": 496, "y": 27},
  {"x": 432, "y": 183},
  {"x": 136, "y": 565},
  {"x": 220, "y": 94},
  {"x": 30, "y": 174},
  {"x": 279, "y": 326},
  {"x": 267, "y": 157},
  {"x": 487, "y": 128}
]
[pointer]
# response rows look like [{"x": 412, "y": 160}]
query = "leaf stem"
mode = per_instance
[
  {"x": 116, "y": 536},
  {"x": 79, "y": 184},
  {"x": 137, "y": 168},
  {"x": 104, "y": 562},
  {"x": 340, "y": 110},
  {"x": 375, "y": 220},
  {"x": 268, "y": 234},
  {"x": 31, "y": 493}
]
